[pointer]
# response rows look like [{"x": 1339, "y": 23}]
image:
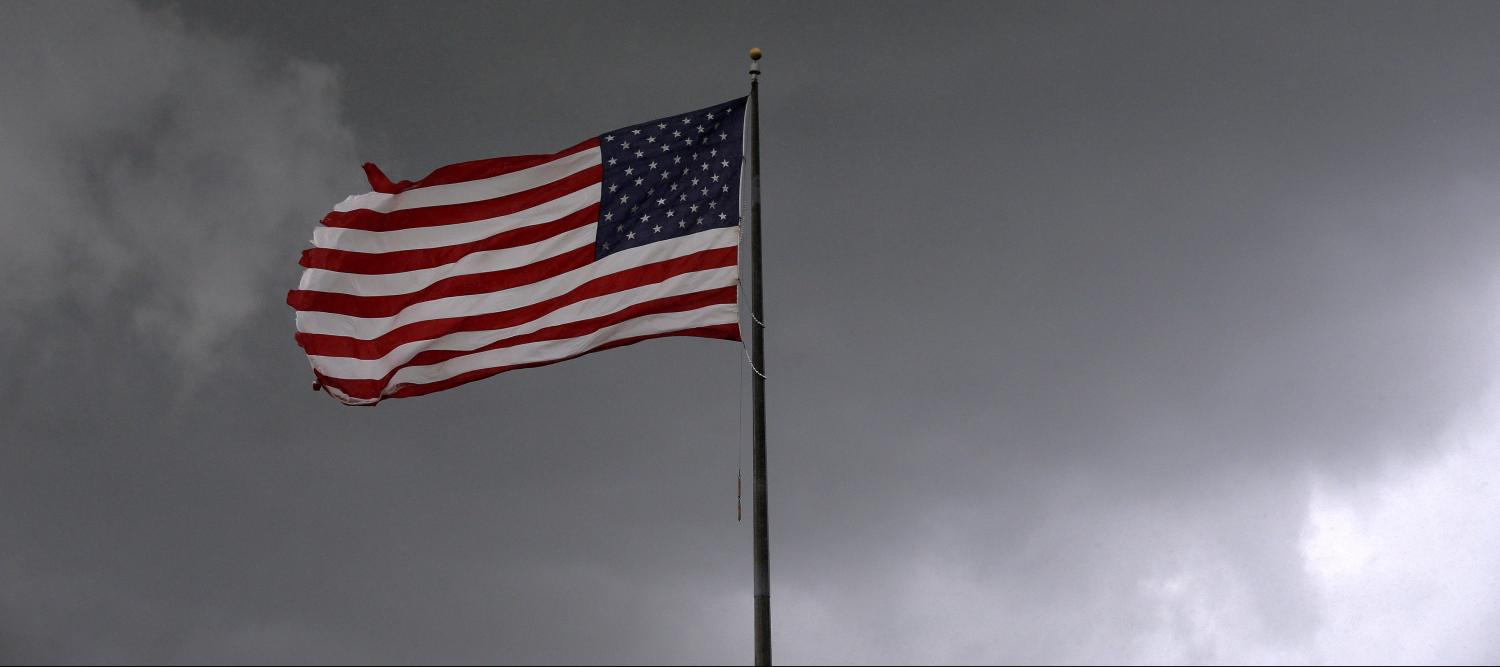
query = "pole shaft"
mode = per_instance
[{"x": 758, "y": 392}]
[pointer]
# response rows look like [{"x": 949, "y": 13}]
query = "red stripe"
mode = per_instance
[
  {"x": 647, "y": 274},
  {"x": 370, "y": 263},
  {"x": 453, "y": 214},
  {"x": 673, "y": 304},
  {"x": 464, "y": 285},
  {"x": 473, "y": 170},
  {"x": 719, "y": 331}
]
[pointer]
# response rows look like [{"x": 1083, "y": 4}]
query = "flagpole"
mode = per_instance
[{"x": 758, "y": 386}]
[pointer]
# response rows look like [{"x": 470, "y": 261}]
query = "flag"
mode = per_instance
[{"x": 492, "y": 265}]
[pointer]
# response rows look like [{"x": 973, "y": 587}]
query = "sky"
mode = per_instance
[{"x": 1097, "y": 333}]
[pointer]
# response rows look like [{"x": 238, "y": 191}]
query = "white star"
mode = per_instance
[
  {"x": 624, "y": 144},
  {"x": 701, "y": 130},
  {"x": 624, "y": 198},
  {"x": 645, "y": 217},
  {"x": 630, "y": 171},
  {"x": 635, "y": 131},
  {"x": 608, "y": 217},
  {"x": 686, "y": 120},
  {"x": 631, "y": 235},
  {"x": 662, "y": 125},
  {"x": 639, "y": 181},
  {"x": 689, "y": 142},
  {"x": 609, "y": 137},
  {"x": 704, "y": 167},
  {"x": 650, "y": 140},
  {"x": 722, "y": 216},
  {"x": 726, "y": 187},
  {"x": 723, "y": 136},
  {"x": 682, "y": 197},
  {"x": 652, "y": 165},
  {"x": 656, "y": 229},
  {"x": 705, "y": 192},
  {"x": 676, "y": 133},
  {"x": 714, "y": 152},
  {"x": 666, "y": 174},
  {"x": 661, "y": 202},
  {"x": 619, "y": 228},
  {"x": 666, "y": 147},
  {"x": 724, "y": 163},
  {"x": 669, "y": 214},
  {"x": 640, "y": 154},
  {"x": 614, "y": 186},
  {"x": 716, "y": 178},
  {"x": 700, "y": 221},
  {"x": 680, "y": 223},
  {"x": 674, "y": 187},
  {"x": 695, "y": 181},
  {"x": 710, "y": 116},
  {"x": 676, "y": 159},
  {"x": 693, "y": 208},
  {"x": 606, "y": 246},
  {"x": 713, "y": 204},
  {"x": 612, "y": 161}
]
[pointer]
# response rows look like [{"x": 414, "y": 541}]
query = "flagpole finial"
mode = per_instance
[{"x": 755, "y": 53}]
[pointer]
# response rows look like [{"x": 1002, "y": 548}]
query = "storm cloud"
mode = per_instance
[{"x": 1097, "y": 333}]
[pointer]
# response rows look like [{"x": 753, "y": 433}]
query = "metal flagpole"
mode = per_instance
[{"x": 758, "y": 386}]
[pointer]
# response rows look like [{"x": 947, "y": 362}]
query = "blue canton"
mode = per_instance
[{"x": 670, "y": 177}]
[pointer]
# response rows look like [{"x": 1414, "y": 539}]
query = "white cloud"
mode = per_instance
[
  {"x": 1402, "y": 567},
  {"x": 1405, "y": 568},
  {"x": 155, "y": 177},
  {"x": 1408, "y": 566}
]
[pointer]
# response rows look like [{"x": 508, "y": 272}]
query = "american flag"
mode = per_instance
[{"x": 512, "y": 262}]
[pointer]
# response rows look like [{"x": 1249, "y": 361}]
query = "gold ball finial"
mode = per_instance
[{"x": 755, "y": 53}]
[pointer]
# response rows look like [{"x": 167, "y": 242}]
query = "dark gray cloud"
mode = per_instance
[{"x": 1098, "y": 333}]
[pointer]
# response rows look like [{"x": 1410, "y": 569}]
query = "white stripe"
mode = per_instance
[
  {"x": 552, "y": 350},
  {"x": 359, "y": 240},
  {"x": 369, "y": 328},
  {"x": 347, "y": 399},
  {"x": 359, "y": 284},
  {"x": 480, "y": 190},
  {"x": 374, "y": 369}
]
